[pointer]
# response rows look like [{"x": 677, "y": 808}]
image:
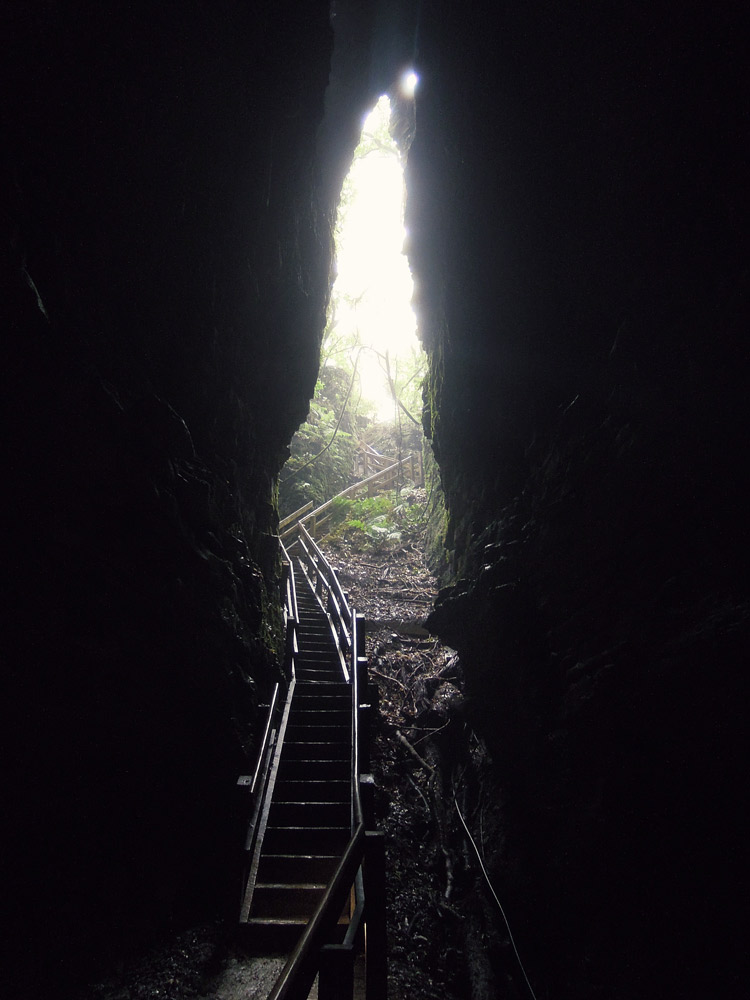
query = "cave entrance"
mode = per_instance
[
  {"x": 371, "y": 323},
  {"x": 368, "y": 394}
]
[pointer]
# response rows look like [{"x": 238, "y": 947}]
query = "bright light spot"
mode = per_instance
[
  {"x": 409, "y": 83},
  {"x": 373, "y": 288}
]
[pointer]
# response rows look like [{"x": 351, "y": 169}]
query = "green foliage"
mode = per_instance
[
  {"x": 322, "y": 450},
  {"x": 361, "y": 508},
  {"x": 378, "y": 524}
]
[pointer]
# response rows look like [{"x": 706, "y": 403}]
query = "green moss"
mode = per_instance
[{"x": 436, "y": 529}]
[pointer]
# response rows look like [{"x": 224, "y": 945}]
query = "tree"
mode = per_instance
[{"x": 322, "y": 450}]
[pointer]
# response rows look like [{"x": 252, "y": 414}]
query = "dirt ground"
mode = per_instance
[{"x": 418, "y": 679}]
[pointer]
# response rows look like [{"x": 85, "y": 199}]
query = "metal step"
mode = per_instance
[
  {"x": 316, "y": 751},
  {"x": 316, "y": 839},
  {"x": 287, "y": 902},
  {"x": 310, "y": 814},
  {"x": 276, "y": 935},
  {"x": 319, "y": 663},
  {"x": 297, "y": 867},
  {"x": 320, "y": 658},
  {"x": 312, "y": 717},
  {"x": 315, "y": 631},
  {"x": 313, "y": 790},
  {"x": 301, "y": 692},
  {"x": 318, "y": 646},
  {"x": 319, "y": 675},
  {"x": 319, "y": 680},
  {"x": 312, "y": 657},
  {"x": 327, "y": 700},
  {"x": 269, "y": 936},
  {"x": 322, "y": 770},
  {"x": 320, "y": 733}
]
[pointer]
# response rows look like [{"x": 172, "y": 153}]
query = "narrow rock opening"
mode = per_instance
[
  {"x": 368, "y": 397},
  {"x": 576, "y": 220}
]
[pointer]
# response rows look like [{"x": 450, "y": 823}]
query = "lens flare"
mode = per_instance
[{"x": 409, "y": 83}]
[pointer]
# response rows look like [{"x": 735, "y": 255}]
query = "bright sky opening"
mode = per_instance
[{"x": 373, "y": 287}]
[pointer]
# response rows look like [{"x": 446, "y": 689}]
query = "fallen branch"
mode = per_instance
[
  {"x": 389, "y": 677},
  {"x": 422, "y": 762},
  {"x": 430, "y": 732},
  {"x": 420, "y": 793}
]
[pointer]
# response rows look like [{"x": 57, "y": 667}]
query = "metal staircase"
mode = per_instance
[
  {"x": 308, "y": 824},
  {"x": 315, "y": 874}
]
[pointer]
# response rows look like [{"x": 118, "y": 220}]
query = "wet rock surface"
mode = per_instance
[{"x": 587, "y": 406}]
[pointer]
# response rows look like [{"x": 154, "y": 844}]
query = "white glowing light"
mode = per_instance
[
  {"x": 409, "y": 83},
  {"x": 374, "y": 286}
]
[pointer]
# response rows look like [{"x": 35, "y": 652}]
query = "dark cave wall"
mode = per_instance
[
  {"x": 577, "y": 227},
  {"x": 168, "y": 252},
  {"x": 170, "y": 179}
]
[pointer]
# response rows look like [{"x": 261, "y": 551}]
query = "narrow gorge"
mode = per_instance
[{"x": 576, "y": 219}]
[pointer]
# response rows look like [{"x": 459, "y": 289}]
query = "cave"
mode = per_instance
[{"x": 577, "y": 219}]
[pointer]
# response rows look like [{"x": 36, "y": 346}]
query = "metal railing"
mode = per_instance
[
  {"x": 257, "y": 784},
  {"x": 312, "y": 519},
  {"x": 360, "y": 872},
  {"x": 324, "y": 582}
]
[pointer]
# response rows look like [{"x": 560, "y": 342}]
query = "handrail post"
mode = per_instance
[
  {"x": 336, "y": 972},
  {"x": 359, "y": 670},
  {"x": 291, "y": 628},
  {"x": 359, "y": 657},
  {"x": 365, "y": 728},
  {"x": 375, "y": 915},
  {"x": 367, "y": 797}
]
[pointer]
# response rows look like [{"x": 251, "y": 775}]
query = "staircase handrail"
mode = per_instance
[
  {"x": 298, "y": 974},
  {"x": 327, "y": 588},
  {"x": 329, "y": 576},
  {"x": 295, "y": 515},
  {"x": 296, "y": 978},
  {"x": 368, "y": 481},
  {"x": 288, "y": 528},
  {"x": 290, "y": 603},
  {"x": 257, "y": 784}
]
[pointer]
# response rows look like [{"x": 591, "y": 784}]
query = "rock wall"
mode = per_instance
[
  {"x": 170, "y": 178},
  {"x": 576, "y": 218}
]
